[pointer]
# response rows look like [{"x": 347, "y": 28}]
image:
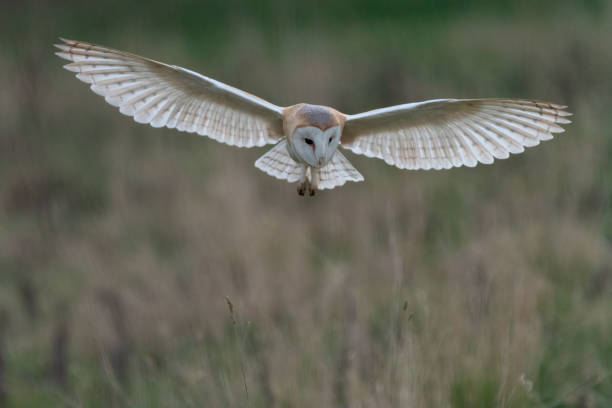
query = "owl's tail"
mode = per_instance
[{"x": 279, "y": 164}]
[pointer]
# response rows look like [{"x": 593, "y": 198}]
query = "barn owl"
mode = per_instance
[{"x": 434, "y": 134}]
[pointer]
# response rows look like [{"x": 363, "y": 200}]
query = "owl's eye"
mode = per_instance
[
  {"x": 308, "y": 141},
  {"x": 330, "y": 139}
]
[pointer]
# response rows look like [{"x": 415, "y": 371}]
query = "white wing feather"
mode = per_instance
[
  {"x": 337, "y": 172},
  {"x": 166, "y": 95},
  {"x": 277, "y": 163},
  {"x": 445, "y": 133}
]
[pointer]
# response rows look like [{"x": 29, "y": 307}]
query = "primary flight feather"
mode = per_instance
[{"x": 437, "y": 134}]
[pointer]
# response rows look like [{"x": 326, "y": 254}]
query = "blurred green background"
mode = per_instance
[{"x": 119, "y": 243}]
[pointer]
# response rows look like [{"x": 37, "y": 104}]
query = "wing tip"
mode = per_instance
[
  {"x": 63, "y": 55},
  {"x": 72, "y": 68},
  {"x": 67, "y": 41}
]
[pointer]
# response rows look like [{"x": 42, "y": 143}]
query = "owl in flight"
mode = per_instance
[{"x": 435, "y": 134}]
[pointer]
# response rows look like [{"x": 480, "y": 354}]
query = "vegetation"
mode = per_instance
[{"x": 122, "y": 246}]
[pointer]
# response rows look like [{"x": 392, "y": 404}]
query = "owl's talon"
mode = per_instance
[
  {"x": 312, "y": 191},
  {"x": 303, "y": 187}
]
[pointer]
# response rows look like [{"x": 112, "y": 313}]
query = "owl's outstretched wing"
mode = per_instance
[
  {"x": 166, "y": 95},
  {"x": 445, "y": 133}
]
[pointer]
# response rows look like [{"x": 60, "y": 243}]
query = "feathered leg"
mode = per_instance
[
  {"x": 315, "y": 177},
  {"x": 304, "y": 182}
]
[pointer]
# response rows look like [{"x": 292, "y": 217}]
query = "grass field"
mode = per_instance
[{"x": 122, "y": 246}]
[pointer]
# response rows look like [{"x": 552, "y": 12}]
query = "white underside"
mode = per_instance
[{"x": 279, "y": 164}]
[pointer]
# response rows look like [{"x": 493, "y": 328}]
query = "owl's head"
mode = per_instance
[
  {"x": 315, "y": 146},
  {"x": 315, "y": 133}
]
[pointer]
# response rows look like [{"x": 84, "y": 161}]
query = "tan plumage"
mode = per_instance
[{"x": 437, "y": 134}]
